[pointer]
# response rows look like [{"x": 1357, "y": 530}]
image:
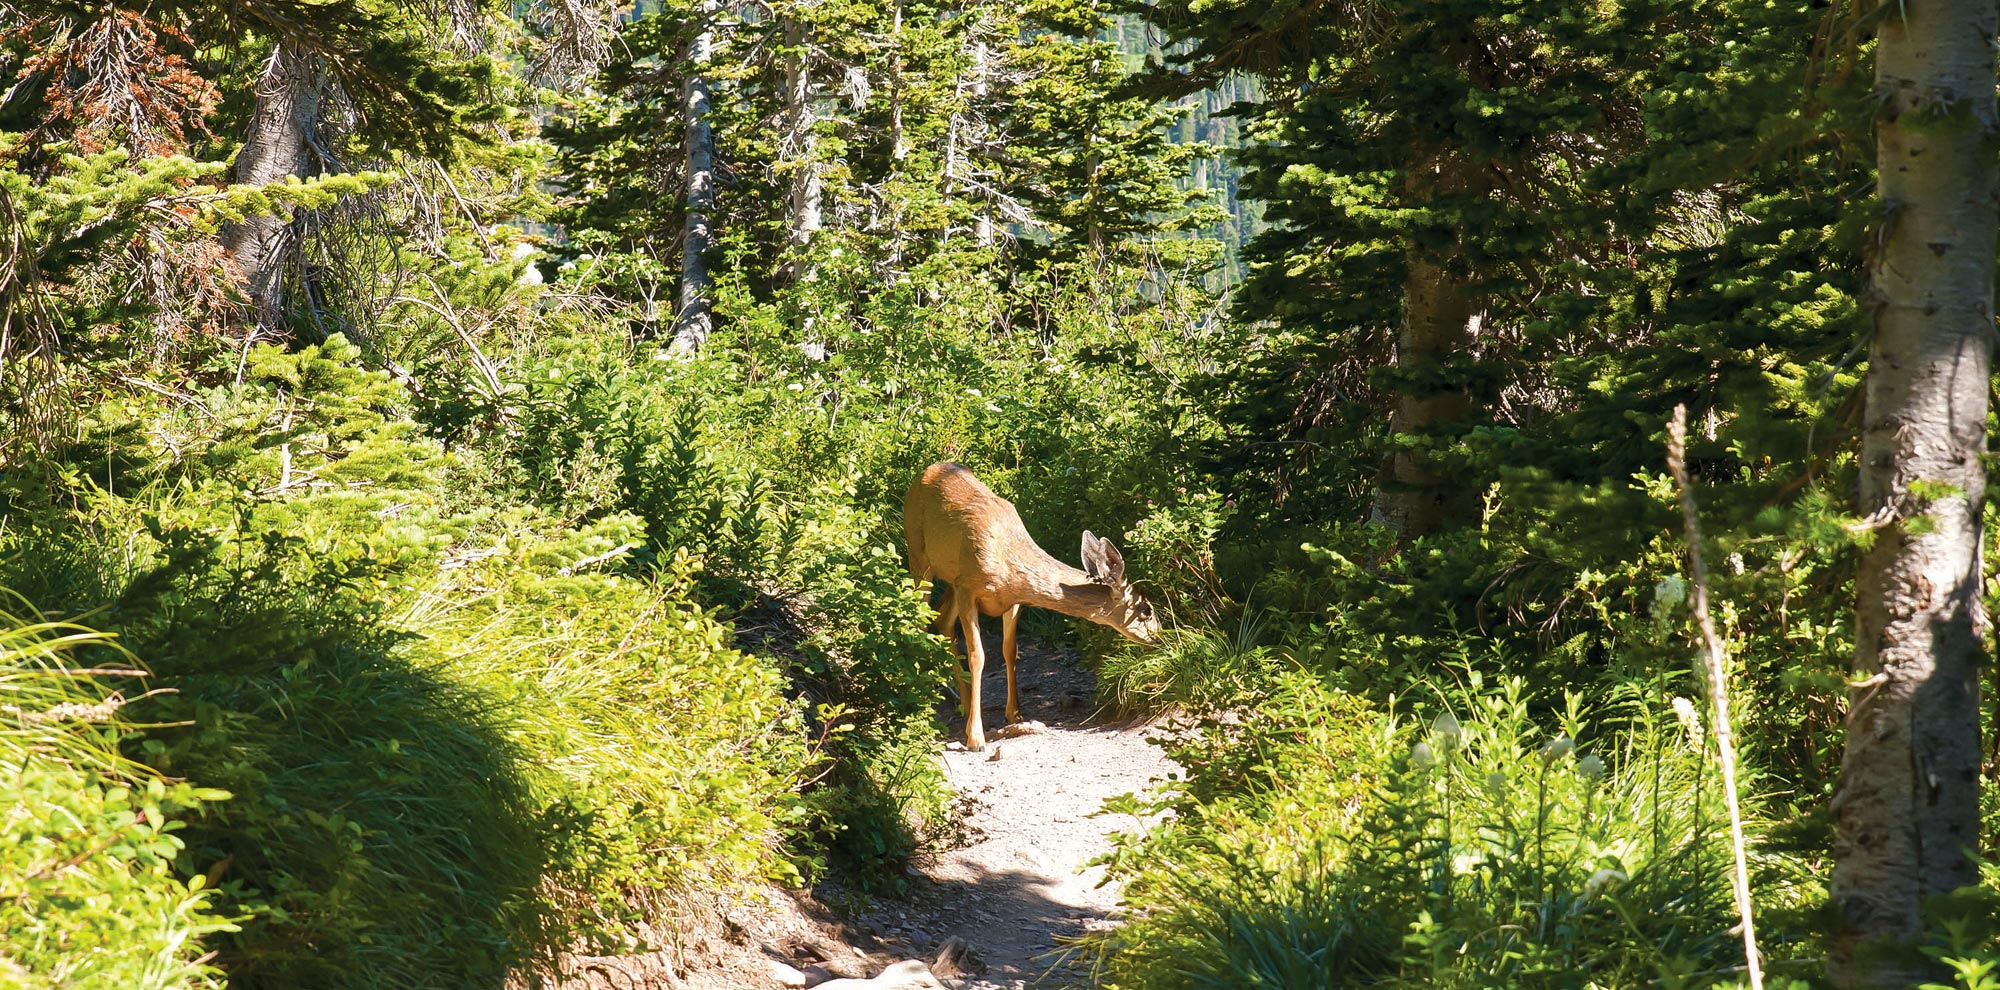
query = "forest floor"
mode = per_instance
[
  {"x": 1012, "y": 890},
  {"x": 1020, "y": 885}
]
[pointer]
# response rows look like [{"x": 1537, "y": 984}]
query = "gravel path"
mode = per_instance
[
  {"x": 1012, "y": 891},
  {"x": 1020, "y": 885}
]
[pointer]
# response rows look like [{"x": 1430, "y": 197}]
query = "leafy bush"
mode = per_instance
[
  {"x": 460, "y": 739},
  {"x": 88, "y": 893},
  {"x": 1325, "y": 843}
]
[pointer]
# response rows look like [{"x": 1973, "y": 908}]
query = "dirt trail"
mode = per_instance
[
  {"x": 1020, "y": 885},
  {"x": 1012, "y": 890}
]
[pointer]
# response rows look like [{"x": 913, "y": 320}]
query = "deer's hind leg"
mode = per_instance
[
  {"x": 1008, "y": 650},
  {"x": 975, "y": 662},
  {"x": 947, "y": 618}
]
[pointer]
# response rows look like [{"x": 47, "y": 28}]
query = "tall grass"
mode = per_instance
[
  {"x": 88, "y": 839},
  {"x": 1479, "y": 849}
]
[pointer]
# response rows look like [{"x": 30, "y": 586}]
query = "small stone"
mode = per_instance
[
  {"x": 786, "y": 976},
  {"x": 816, "y": 975},
  {"x": 954, "y": 959},
  {"x": 954, "y": 747}
]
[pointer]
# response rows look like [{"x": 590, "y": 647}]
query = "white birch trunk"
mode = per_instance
[
  {"x": 1906, "y": 810},
  {"x": 693, "y": 320}
]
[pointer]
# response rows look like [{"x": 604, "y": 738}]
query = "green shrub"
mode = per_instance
[
  {"x": 89, "y": 898},
  {"x": 459, "y": 739},
  {"x": 1321, "y": 843}
]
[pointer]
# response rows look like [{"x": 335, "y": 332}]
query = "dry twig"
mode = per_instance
[{"x": 1715, "y": 674}]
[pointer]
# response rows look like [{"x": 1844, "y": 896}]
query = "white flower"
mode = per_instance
[
  {"x": 795, "y": 387},
  {"x": 1557, "y": 748},
  {"x": 1421, "y": 756},
  {"x": 1603, "y": 880},
  {"x": 1446, "y": 730},
  {"x": 1590, "y": 768},
  {"x": 1669, "y": 594},
  {"x": 1684, "y": 710}
]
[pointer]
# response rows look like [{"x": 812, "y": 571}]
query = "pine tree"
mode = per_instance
[{"x": 1422, "y": 165}]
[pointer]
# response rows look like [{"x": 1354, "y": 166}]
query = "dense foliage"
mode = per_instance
[{"x": 463, "y": 601}]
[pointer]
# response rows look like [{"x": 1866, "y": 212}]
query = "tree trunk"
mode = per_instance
[
  {"x": 897, "y": 152},
  {"x": 1440, "y": 322},
  {"x": 692, "y": 320},
  {"x": 278, "y": 144},
  {"x": 1906, "y": 810},
  {"x": 963, "y": 133},
  {"x": 800, "y": 142}
]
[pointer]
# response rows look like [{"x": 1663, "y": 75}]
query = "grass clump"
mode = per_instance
[
  {"x": 1332, "y": 844},
  {"x": 89, "y": 841},
  {"x": 462, "y": 739}
]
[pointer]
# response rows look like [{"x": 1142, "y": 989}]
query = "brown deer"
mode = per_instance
[{"x": 962, "y": 534}]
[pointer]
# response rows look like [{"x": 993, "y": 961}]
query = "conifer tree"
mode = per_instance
[{"x": 1421, "y": 163}]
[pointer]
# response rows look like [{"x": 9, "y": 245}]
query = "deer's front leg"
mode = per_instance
[
  {"x": 1008, "y": 650},
  {"x": 975, "y": 662}
]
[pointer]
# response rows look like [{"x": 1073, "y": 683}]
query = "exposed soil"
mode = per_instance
[
  {"x": 1014, "y": 891},
  {"x": 1020, "y": 886}
]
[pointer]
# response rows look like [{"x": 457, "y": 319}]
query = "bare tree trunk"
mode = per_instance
[
  {"x": 1906, "y": 811},
  {"x": 961, "y": 132},
  {"x": 278, "y": 145},
  {"x": 897, "y": 151},
  {"x": 692, "y": 320},
  {"x": 801, "y": 144},
  {"x": 1440, "y": 321}
]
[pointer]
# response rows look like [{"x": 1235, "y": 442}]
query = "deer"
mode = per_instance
[{"x": 960, "y": 533}]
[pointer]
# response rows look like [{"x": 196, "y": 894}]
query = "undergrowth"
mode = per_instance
[
  {"x": 1331, "y": 842},
  {"x": 88, "y": 829}
]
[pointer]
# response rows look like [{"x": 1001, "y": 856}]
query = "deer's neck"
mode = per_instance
[{"x": 1058, "y": 587}]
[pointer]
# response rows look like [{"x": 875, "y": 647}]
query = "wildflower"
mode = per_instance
[
  {"x": 1590, "y": 768},
  {"x": 1557, "y": 748},
  {"x": 1603, "y": 880},
  {"x": 1421, "y": 756},
  {"x": 1669, "y": 594},
  {"x": 1496, "y": 783},
  {"x": 1684, "y": 710},
  {"x": 1446, "y": 730}
]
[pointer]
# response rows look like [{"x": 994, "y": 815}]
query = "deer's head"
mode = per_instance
[{"x": 1128, "y": 612}]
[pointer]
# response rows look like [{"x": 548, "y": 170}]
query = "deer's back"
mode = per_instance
[{"x": 958, "y": 529}]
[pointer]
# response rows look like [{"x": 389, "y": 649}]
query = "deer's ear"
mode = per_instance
[
  {"x": 1094, "y": 563},
  {"x": 1101, "y": 560},
  {"x": 1114, "y": 562}
]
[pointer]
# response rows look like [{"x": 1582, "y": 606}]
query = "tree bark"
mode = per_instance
[
  {"x": 1441, "y": 319},
  {"x": 1906, "y": 810},
  {"x": 800, "y": 142},
  {"x": 897, "y": 152},
  {"x": 277, "y": 145},
  {"x": 692, "y": 319}
]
